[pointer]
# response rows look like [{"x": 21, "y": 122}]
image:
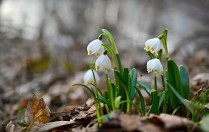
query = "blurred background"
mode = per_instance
[{"x": 43, "y": 42}]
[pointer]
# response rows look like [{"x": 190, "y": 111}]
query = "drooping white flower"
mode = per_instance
[
  {"x": 94, "y": 46},
  {"x": 100, "y": 51},
  {"x": 89, "y": 77},
  {"x": 103, "y": 63},
  {"x": 153, "y": 45},
  {"x": 154, "y": 65}
]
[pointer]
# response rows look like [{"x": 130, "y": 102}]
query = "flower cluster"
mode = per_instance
[
  {"x": 153, "y": 45},
  {"x": 102, "y": 62}
]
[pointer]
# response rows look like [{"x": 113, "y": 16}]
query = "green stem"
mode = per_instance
[
  {"x": 165, "y": 98},
  {"x": 119, "y": 62},
  {"x": 155, "y": 81},
  {"x": 164, "y": 39},
  {"x": 163, "y": 82},
  {"x": 98, "y": 113}
]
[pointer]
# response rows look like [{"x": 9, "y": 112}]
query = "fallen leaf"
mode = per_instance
[
  {"x": 37, "y": 113},
  {"x": 53, "y": 125},
  {"x": 10, "y": 127},
  {"x": 201, "y": 80},
  {"x": 119, "y": 121}
]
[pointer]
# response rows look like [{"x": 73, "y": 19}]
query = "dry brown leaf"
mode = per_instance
[
  {"x": 119, "y": 121},
  {"x": 10, "y": 127},
  {"x": 37, "y": 113},
  {"x": 53, "y": 125}
]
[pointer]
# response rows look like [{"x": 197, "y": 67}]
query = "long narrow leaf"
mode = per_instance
[
  {"x": 146, "y": 87},
  {"x": 162, "y": 99},
  {"x": 133, "y": 76},
  {"x": 185, "y": 82},
  {"x": 110, "y": 38},
  {"x": 154, "y": 108},
  {"x": 87, "y": 88},
  {"x": 174, "y": 78},
  {"x": 143, "y": 108},
  {"x": 183, "y": 101}
]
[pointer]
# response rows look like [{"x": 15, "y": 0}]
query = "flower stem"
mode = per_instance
[
  {"x": 165, "y": 97},
  {"x": 98, "y": 113},
  {"x": 163, "y": 37},
  {"x": 155, "y": 81},
  {"x": 163, "y": 82},
  {"x": 119, "y": 62}
]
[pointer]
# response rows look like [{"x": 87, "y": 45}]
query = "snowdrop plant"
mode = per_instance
[
  {"x": 121, "y": 89},
  {"x": 174, "y": 95}
]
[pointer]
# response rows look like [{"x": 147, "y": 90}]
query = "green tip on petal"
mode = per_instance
[
  {"x": 89, "y": 52},
  {"x": 97, "y": 68},
  {"x": 98, "y": 54}
]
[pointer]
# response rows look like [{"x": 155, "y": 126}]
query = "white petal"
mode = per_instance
[
  {"x": 94, "y": 46},
  {"x": 103, "y": 63},
  {"x": 153, "y": 45},
  {"x": 100, "y": 51},
  {"x": 89, "y": 77},
  {"x": 154, "y": 65}
]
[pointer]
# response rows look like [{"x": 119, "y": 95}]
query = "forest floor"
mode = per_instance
[{"x": 44, "y": 100}]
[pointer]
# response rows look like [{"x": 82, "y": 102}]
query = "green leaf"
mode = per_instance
[
  {"x": 162, "y": 99},
  {"x": 183, "y": 101},
  {"x": 113, "y": 92},
  {"x": 117, "y": 102},
  {"x": 154, "y": 107},
  {"x": 110, "y": 39},
  {"x": 133, "y": 83},
  {"x": 126, "y": 77},
  {"x": 204, "y": 97},
  {"x": 185, "y": 82},
  {"x": 146, "y": 87},
  {"x": 174, "y": 78},
  {"x": 123, "y": 91},
  {"x": 143, "y": 108},
  {"x": 204, "y": 125},
  {"x": 175, "y": 110},
  {"x": 154, "y": 94},
  {"x": 105, "y": 101},
  {"x": 109, "y": 49}
]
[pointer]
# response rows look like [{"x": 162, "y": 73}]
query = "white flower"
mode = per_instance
[
  {"x": 103, "y": 63},
  {"x": 153, "y": 45},
  {"x": 95, "y": 47},
  {"x": 89, "y": 77},
  {"x": 154, "y": 65},
  {"x": 100, "y": 51}
]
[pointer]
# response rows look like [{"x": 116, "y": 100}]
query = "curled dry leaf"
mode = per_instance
[
  {"x": 119, "y": 121},
  {"x": 37, "y": 113},
  {"x": 10, "y": 127},
  {"x": 201, "y": 80},
  {"x": 53, "y": 125},
  {"x": 200, "y": 84}
]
